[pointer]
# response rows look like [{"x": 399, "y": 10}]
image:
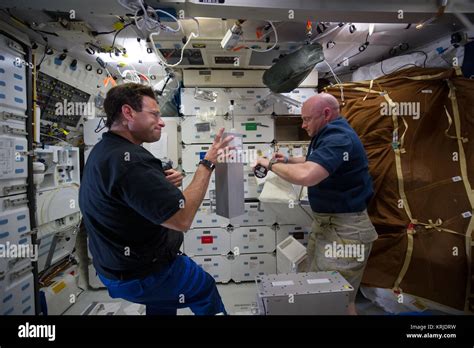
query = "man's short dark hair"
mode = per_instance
[{"x": 128, "y": 93}]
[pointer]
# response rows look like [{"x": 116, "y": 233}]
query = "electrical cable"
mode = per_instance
[
  {"x": 191, "y": 35},
  {"x": 408, "y": 64},
  {"x": 97, "y": 129},
  {"x": 115, "y": 36},
  {"x": 339, "y": 82},
  {"x": 38, "y": 66},
  {"x": 52, "y": 136},
  {"x": 274, "y": 45}
]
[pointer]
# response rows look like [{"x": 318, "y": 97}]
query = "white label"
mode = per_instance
[
  {"x": 283, "y": 283},
  {"x": 466, "y": 214},
  {"x": 457, "y": 178},
  {"x": 427, "y": 91},
  {"x": 318, "y": 281}
]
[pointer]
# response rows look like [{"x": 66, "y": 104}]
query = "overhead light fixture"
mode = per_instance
[
  {"x": 441, "y": 9},
  {"x": 371, "y": 28}
]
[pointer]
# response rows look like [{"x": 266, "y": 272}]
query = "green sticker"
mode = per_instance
[{"x": 250, "y": 126}]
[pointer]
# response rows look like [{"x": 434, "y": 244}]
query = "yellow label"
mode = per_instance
[
  {"x": 58, "y": 287},
  {"x": 118, "y": 25},
  {"x": 419, "y": 305}
]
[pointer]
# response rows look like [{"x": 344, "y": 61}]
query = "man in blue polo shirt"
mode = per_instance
[
  {"x": 132, "y": 211},
  {"x": 336, "y": 173}
]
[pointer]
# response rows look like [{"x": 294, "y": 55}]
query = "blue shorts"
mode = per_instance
[{"x": 183, "y": 284}]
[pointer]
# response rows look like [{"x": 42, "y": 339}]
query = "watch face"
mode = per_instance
[{"x": 260, "y": 171}]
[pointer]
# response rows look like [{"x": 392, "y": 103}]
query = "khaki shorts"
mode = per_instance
[{"x": 341, "y": 242}]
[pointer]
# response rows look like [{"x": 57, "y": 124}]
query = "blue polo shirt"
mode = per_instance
[
  {"x": 348, "y": 188},
  {"x": 124, "y": 198}
]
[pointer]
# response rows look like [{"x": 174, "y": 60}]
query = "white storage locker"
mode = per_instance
[
  {"x": 253, "y": 151},
  {"x": 12, "y": 77},
  {"x": 210, "y": 188},
  {"x": 197, "y": 130},
  {"x": 15, "y": 231},
  {"x": 63, "y": 246},
  {"x": 245, "y": 267},
  {"x": 292, "y": 150},
  {"x": 17, "y": 295},
  {"x": 298, "y": 94},
  {"x": 191, "y": 155},
  {"x": 291, "y": 215},
  {"x": 255, "y": 215},
  {"x": 92, "y": 135},
  {"x": 206, "y": 241},
  {"x": 13, "y": 164},
  {"x": 168, "y": 145},
  {"x": 245, "y": 100},
  {"x": 300, "y": 233},
  {"x": 251, "y": 189},
  {"x": 255, "y": 129},
  {"x": 57, "y": 203},
  {"x": 206, "y": 217},
  {"x": 252, "y": 239},
  {"x": 218, "y": 266},
  {"x": 204, "y": 100}
]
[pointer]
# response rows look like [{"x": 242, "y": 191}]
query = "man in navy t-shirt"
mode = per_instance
[
  {"x": 336, "y": 173},
  {"x": 132, "y": 211}
]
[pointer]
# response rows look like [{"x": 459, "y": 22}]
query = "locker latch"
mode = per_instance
[
  {"x": 5, "y": 116},
  {"x": 14, "y": 202},
  {"x": 15, "y": 131},
  {"x": 9, "y": 189},
  {"x": 21, "y": 272}
]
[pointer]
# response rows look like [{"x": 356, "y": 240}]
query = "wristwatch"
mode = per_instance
[
  {"x": 271, "y": 163},
  {"x": 208, "y": 164}
]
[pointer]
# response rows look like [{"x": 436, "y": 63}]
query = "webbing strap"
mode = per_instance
[
  {"x": 467, "y": 185},
  {"x": 450, "y": 122},
  {"x": 401, "y": 190}
]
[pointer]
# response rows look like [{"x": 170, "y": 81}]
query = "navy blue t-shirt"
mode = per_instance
[
  {"x": 124, "y": 197},
  {"x": 348, "y": 188}
]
